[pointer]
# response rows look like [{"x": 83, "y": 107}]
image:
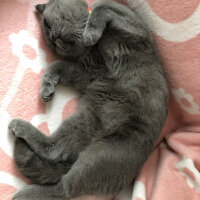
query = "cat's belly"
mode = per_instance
[{"x": 111, "y": 110}]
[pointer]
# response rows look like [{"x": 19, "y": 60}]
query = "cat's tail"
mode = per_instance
[{"x": 36, "y": 169}]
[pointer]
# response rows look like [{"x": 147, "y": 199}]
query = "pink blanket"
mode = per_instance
[{"x": 172, "y": 172}]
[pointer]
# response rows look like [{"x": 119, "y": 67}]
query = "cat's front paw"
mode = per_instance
[
  {"x": 19, "y": 127},
  {"x": 91, "y": 37},
  {"x": 48, "y": 87},
  {"x": 47, "y": 93}
]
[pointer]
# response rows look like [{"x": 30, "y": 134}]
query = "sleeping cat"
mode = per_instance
[{"x": 112, "y": 63}]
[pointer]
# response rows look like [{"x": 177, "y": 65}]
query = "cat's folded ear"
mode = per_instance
[{"x": 40, "y": 8}]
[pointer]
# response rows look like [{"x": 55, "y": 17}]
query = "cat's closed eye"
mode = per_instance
[{"x": 46, "y": 23}]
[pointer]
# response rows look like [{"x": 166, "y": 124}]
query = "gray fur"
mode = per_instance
[{"x": 122, "y": 105}]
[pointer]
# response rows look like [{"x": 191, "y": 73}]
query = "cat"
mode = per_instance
[{"x": 109, "y": 58}]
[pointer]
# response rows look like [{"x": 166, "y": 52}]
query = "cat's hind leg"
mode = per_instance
[
  {"x": 36, "y": 140},
  {"x": 41, "y": 192},
  {"x": 107, "y": 166},
  {"x": 73, "y": 135},
  {"x": 38, "y": 170}
]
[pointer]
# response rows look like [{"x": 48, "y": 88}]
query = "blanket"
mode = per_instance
[{"x": 172, "y": 171}]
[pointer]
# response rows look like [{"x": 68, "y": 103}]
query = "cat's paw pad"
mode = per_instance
[
  {"x": 47, "y": 93},
  {"x": 18, "y": 127}
]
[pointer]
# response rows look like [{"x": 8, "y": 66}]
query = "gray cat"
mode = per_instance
[{"x": 113, "y": 65}]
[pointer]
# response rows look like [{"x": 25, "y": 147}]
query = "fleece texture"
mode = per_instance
[{"x": 172, "y": 171}]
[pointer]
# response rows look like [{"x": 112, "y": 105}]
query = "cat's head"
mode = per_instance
[{"x": 63, "y": 23}]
